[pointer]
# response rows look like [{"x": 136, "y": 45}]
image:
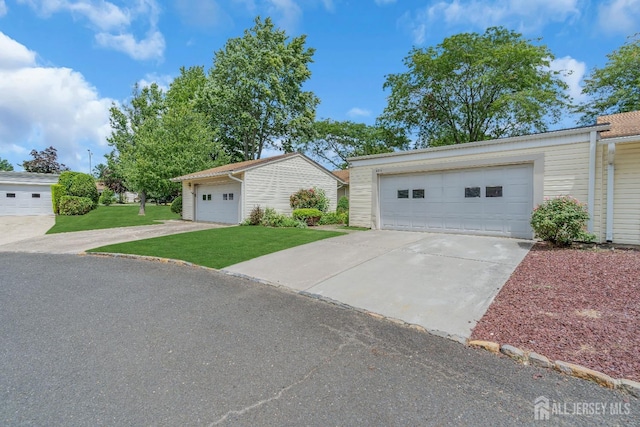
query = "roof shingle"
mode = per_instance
[{"x": 622, "y": 124}]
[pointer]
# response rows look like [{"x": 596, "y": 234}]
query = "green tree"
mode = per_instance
[
  {"x": 333, "y": 142},
  {"x": 99, "y": 171},
  {"x": 253, "y": 95},
  {"x": 45, "y": 161},
  {"x": 615, "y": 88},
  {"x": 5, "y": 165},
  {"x": 474, "y": 87}
]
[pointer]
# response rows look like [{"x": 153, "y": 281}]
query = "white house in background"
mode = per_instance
[
  {"x": 228, "y": 193},
  {"x": 26, "y": 193},
  {"x": 491, "y": 187},
  {"x": 343, "y": 175}
]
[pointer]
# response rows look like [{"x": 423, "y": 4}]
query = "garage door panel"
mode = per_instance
[
  {"x": 218, "y": 203},
  {"x": 502, "y": 208}
]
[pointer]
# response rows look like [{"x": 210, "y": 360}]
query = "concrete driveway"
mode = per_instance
[
  {"x": 80, "y": 241},
  {"x": 443, "y": 282},
  {"x": 16, "y": 228}
]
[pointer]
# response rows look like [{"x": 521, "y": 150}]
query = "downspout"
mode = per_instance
[
  {"x": 592, "y": 179},
  {"x": 194, "y": 200},
  {"x": 230, "y": 176},
  {"x": 610, "y": 175}
]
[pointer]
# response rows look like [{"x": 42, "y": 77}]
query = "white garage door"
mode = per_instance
[
  {"x": 492, "y": 201},
  {"x": 218, "y": 203},
  {"x": 18, "y": 199}
]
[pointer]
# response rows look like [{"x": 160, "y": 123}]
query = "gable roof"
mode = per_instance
[
  {"x": 622, "y": 124},
  {"x": 343, "y": 175},
  {"x": 234, "y": 168},
  {"x": 28, "y": 177}
]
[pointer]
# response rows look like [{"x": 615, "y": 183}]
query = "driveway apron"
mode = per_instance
[{"x": 442, "y": 282}]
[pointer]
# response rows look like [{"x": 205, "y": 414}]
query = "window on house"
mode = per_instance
[
  {"x": 204, "y": 197},
  {"x": 470, "y": 192},
  {"x": 493, "y": 191},
  {"x": 208, "y": 196},
  {"x": 225, "y": 196},
  {"x": 35, "y": 195},
  {"x": 230, "y": 196},
  {"x": 403, "y": 194},
  {"x": 418, "y": 194},
  {"x": 11, "y": 195}
]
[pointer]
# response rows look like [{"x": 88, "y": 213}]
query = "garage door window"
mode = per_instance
[
  {"x": 403, "y": 194},
  {"x": 11, "y": 195},
  {"x": 35, "y": 195},
  {"x": 470, "y": 192},
  {"x": 227, "y": 196},
  {"x": 418, "y": 194},
  {"x": 493, "y": 191}
]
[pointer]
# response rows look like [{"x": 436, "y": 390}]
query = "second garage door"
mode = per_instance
[
  {"x": 492, "y": 201},
  {"x": 218, "y": 203}
]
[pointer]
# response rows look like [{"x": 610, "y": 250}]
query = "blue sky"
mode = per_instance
[{"x": 63, "y": 62}]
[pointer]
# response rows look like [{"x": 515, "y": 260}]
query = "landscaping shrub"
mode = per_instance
[
  {"x": 57, "y": 191},
  {"x": 74, "y": 205},
  {"x": 271, "y": 218},
  {"x": 309, "y": 215},
  {"x": 176, "y": 205},
  {"x": 331, "y": 218},
  {"x": 561, "y": 221},
  {"x": 106, "y": 198},
  {"x": 312, "y": 198},
  {"x": 79, "y": 184},
  {"x": 256, "y": 215},
  {"x": 343, "y": 205}
]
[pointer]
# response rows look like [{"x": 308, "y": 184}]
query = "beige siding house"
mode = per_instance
[
  {"x": 491, "y": 187},
  {"x": 228, "y": 193},
  {"x": 343, "y": 176}
]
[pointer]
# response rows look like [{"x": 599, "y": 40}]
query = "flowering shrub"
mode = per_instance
[
  {"x": 312, "y": 198},
  {"x": 560, "y": 221}
]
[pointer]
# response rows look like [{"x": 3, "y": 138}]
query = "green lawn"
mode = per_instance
[
  {"x": 112, "y": 216},
  {"x": 221, "y": 247}
]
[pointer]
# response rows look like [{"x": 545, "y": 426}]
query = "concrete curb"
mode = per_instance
[
  {"x": 532, "y": 358},
  {"x": 526, "y": 358}
]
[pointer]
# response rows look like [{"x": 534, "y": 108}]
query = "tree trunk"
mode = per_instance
[{"x": 143, "y": 201}]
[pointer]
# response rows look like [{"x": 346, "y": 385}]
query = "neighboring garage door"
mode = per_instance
[
  {"x": 18, "y": 199},
  {"x": 218, "y": 203},
  {"x": 492, "y": 201}
]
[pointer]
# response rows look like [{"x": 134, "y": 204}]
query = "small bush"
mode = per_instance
[
  {"x": 312, "y": 198},
  {"x": 560, "y": 221},
  {"x": 331, "y": 218},
  {"x": 343, "y": 205},
  {"x": 57, "y": 191},
  {"x": 310, "y": 216},
  {"x": 271, "y": 218},
  {"x": 106, "y": 198},
  {"x": 79, "y": 184},
  {"x": 256, "y": 215},
  {"x": 176, "y": 205},
  {"x": 74, "y": 205}
]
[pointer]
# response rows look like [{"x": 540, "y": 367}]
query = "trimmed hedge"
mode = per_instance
[
  {"x": 309, "y": 215},
  {"x": 79, "y": 184},
  {"x": 74, "y": 205},
  {"x": 176, "y": 205},
  {"x": 106, "y": 198},
  {"x": 57, "y": 191}
]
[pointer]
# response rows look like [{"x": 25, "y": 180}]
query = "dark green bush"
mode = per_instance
[
  {"x": 560, "y": 221},
  {"x": 343, "y": 205},
  {"x": 57, "y": 191},
  {"x": 176, "y": 205},
  {"x": 271, "y": 218},
  {"x": 106, "y": 198},
  {"x": 79, "y": 184},
  {"x": 74, "y": 205},
  {"x": 331, "y": 218},
  {"x": 312, "y": 198}
]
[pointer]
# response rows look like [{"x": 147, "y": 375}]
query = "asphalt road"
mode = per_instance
[{"x": 104, "y": 341}]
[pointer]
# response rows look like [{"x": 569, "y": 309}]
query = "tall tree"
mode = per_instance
[
  {"x": 615, "y": 88},
  {"x": 45, "y": 161},
  {"x": 99, "y": 171},
  {"x": 254, "y": 95},
  {"x": 333, "y": 142},
  {"x": 5, "y": 165},
  {"x": 474, "y": 87}
]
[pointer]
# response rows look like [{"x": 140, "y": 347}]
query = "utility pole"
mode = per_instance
[{"x": 90, "y": 153}]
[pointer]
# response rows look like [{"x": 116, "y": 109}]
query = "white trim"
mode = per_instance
[
  {"x": 591, "y": 184},
  {"x": 620, "y": 140},
  {"x": 241, "y": 210},
  {"x": 611, "y": 170}
]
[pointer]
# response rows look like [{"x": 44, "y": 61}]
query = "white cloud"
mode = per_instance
[
  {"x": 113, "y": 24},
  {"x": 3, "y": 8},
  {"x": 288, "y": 11},
  {"x": 524, "y": 15},
  {"x": 573, "y": 72},
  {"x": 163, "y": 81},
  {"x": 45, "y": 106},
  {"x": 358, "y": 112},
  {"x": 619, "y": 16}
]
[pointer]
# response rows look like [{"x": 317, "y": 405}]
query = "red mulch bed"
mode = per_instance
[{"x": 576, "y": 305}]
